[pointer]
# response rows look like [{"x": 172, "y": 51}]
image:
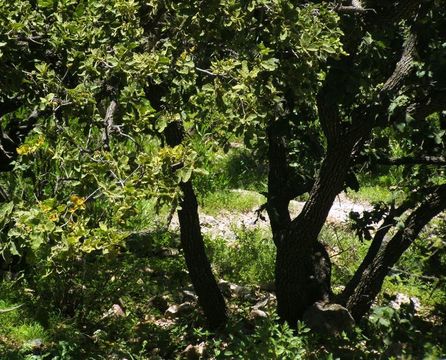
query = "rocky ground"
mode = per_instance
[{"x": 225, "y": 223}]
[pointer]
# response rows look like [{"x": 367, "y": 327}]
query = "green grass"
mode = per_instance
[
  {"x": 371, "y": 194},
  {"x": 18, "y": 328},
  {"x": 237, "y": 169},
  {"x": 233, "y": 201},
  {"x": 248, "y": 260},
  {"x": 345, "y": 250}
]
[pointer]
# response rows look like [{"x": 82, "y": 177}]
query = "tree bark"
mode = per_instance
[
  {"x": 372, "y": 277},
  {"x": 303, "y": 267},
  {"x": 203, "y": 280},
  {"x": 375, "y": 246},
  {"x": 205, "y": 285}
]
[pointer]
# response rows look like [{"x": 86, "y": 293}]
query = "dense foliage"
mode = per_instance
[{"x": 110, "y": 112}]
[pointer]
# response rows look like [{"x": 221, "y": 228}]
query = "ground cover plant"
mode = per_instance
[{"x": 153, "y": 155}]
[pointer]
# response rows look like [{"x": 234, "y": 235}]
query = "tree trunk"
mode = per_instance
[
  {"x": 375, "y": 246},
  {"x": 303, "y": 267},
  {"x": 209, "y": 295},
  {"x": 203, "y": 280},
  {"x": 372, "y": 277}
]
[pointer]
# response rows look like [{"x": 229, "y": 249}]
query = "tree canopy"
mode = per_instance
[{"x": 105, "y": 105}]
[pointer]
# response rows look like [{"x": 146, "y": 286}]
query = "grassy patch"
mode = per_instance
[
  {"x": 371, "y": 194},
  {"x": 234, "y": 201},
  {"x": 18, "y": 329},
  {"x": 237, "y": 169},
  {"x": 247, "y": 260},
  {"x": 345, "y": 250}
]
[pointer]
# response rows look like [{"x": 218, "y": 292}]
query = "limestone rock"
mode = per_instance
[
  {"x": 257, "y": 314},
  {"x": 265, "y": 301},
  {"x": 115, "y": 311},
  {"x": 195, "y": 352},
  {"x": 403, "y": 299},
  {"x": 229, "y": 290},
  {"x": 176, "y": 311},
  {"x": 327, "y": 318}
]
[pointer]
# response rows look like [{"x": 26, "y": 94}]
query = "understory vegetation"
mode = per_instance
[
  {"x": 222, "y": 179},
  {"x": 65, "y": 312}
]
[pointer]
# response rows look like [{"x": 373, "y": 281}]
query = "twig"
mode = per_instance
[
  {"x": 207, "y": 72},
  {"x": 2, "y": 311},
  {"x": 108, "y": 124}
]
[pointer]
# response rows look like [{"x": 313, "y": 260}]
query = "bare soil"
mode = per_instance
[{"x": 226, "y": 223}]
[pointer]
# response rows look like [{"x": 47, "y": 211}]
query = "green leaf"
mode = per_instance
[
  {"x": 270, "y": 64},
  {"x": 13, "y": 249},
  {"x": 5, "y": 212}
]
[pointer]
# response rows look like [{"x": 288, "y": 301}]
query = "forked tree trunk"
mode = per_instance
[
  {"x": 303, "y": 267},
  {"x": 302, "y": 264},
  {"x": 203, "y": 280}
]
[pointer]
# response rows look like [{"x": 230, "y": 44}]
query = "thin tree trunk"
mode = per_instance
[
  {"x": 373, "y": 250},
  {"x": 203, "y": 280},
  {"x": 209, "y": 295},
  {"x": 372, "y": 277}
]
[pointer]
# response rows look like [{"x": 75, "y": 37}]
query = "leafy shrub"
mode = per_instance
[{"x": 248, "y": 259}]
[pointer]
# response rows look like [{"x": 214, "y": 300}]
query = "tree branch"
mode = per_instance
[
  {"x": 375, "y": 246},
  {"x": 413, "y": 160},
  {"x": 403, "y": 67},
  {"x": 373, "y": 275},
  {"x": 108, "y": 124}
]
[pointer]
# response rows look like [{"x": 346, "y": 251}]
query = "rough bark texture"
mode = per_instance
[
  {"x": 209, "y": 295},
  {"x": 303, "y": 268},
  {"x": 279, "y": 173},
  {"x": 205, "y": 285}
]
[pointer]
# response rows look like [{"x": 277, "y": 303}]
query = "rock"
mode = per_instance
[
  {"x": 164, "y": 324},
  {"x": 168, "y": 252},
  {"x": 257, "y": 314},
  {"x": 225, "y": 287},
  {"x": 115, "y": 311},
  {"x": 399, "y": 300},
  {"x": 148, "y": 270},
  {"x": 229, "y": 289},
  {"x": 240, "y": 291},
  {"x": 327, "y": 318},
  {"x": 159, "y": 302},
  {"x": 176, "y": 311},
  {"x": 189, "y": 296},
  {"x": 36, "y": 346},
  {"x": 264, "y": 302},
  {"x": 195, "y": 352},
  {"x": 416, "y": 303},
  {"x": 403, "y": 299},
  {"x": 171, "y": 312}
]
